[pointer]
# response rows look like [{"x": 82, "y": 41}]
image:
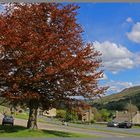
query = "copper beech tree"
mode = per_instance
[{"x": 43, "y": 59}]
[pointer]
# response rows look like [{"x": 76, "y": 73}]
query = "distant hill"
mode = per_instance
[{"x": 119, "y": 100}]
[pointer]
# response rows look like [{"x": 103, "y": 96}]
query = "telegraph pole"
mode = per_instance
[{"x": 130, "y": 102}]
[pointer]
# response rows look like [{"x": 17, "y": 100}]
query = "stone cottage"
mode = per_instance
[{"x": 133, "y": 117}]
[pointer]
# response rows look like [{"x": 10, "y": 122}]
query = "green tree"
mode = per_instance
[{"x": 105, "y": 114}]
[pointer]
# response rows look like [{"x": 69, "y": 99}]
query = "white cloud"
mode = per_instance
[
  {"x": 116, "y": 57},
  {"x": 125, "y": 84},
  {"x": 137, "y": 58},
  {"x": 134, "y": 35},
  {"x": 117, "y": 86},
  {"x": 129, "y": 19}
]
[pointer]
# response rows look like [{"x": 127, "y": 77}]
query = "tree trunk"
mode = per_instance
[{"x": 32, "y": 120}]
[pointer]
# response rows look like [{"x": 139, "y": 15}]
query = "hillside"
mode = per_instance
[{"x": 119, "y": 100}]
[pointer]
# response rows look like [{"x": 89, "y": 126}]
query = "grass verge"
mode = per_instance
[{"x": 20, "y": 131}]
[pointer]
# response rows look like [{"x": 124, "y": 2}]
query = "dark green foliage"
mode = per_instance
[
  {"x": 71, "y": 116},
  {"x": 116, "y": 105}
]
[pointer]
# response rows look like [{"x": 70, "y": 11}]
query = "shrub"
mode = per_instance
[{"x": 60, "y": 113}]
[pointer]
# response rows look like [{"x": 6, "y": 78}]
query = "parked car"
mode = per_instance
[
  {"x": 125, "y": 125},
  {"x": 112, "y": 124},
  {"x": 8, "y": 120}
]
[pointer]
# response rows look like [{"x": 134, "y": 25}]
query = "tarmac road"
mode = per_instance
[{"x": 132, "y": 131}]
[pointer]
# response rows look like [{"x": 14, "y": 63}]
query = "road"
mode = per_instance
[{"x": 132, "y": 131}]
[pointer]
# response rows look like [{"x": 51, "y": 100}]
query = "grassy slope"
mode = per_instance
[{"x": 122, "y": 97}]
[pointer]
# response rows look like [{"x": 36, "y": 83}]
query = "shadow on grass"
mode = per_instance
[
  {"x": 58, "y": 133},
  {"x": 10, "y": 129},
  {"x": 35, "y": 133}
]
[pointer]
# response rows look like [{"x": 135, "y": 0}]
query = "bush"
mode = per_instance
[
  {"x": 98, "y": 117},
  {"x": 60, "y": 113},
  {"x": 93, "y": 121},
  {"x": 105, "y": 114},
  {"x": 71, "y": 116}
]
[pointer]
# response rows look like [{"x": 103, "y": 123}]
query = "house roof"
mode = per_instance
[{"x": 124, "y": 116}]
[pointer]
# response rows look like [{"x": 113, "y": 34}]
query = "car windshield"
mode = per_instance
[{"x": 8, "y": 117}]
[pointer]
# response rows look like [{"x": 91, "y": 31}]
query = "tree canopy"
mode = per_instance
[{"x": 43, "y": 58}]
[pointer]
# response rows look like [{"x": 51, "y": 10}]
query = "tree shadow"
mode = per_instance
[
  {"x": 16, "y": 128},
  {"x": 58, "y": 133},
  {"x": 10, "y": 129}
]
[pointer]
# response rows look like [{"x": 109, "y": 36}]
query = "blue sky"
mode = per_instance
[{"x": 114, "y": 29}]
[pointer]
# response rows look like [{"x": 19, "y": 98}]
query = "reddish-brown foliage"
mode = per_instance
[{"x": 43, "y": 57}]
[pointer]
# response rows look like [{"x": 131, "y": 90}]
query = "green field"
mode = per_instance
[
  {"x": 20, "y": 131},
  {"x": 21, "y": 116}
]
